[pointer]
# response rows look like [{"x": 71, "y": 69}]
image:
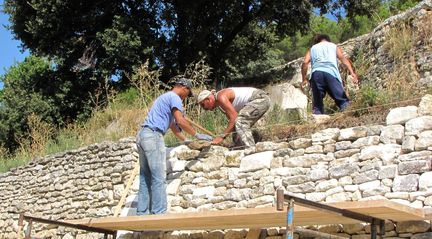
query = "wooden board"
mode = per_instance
[{"x": 255, "y": 217}]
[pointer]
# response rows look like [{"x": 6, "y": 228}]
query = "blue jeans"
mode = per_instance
[
  {"x": 152, "y": 198},
  {"x": 322, "y": 83}
]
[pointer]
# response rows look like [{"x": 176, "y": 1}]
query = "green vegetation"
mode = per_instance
[{"x": 62, "y": 97}]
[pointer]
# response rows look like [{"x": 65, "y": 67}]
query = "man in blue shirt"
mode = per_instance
[
  {"x": 326, "y": 78},
  {"x": 166, "y": 112}
]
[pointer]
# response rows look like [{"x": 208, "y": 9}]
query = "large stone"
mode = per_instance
[
  {"x": 418, "y": 125},
  {"x": 173, "y": 186},
  {"x": 407, "y": 183},
  {"x": 392, "y": 134},
  {"x": 384, "y": 152},
  {"x": 326, "y": 185},
  {"x": 300, "y": 143},
  {"x": 425, "y": 181},
  {"x": 318, "y": 174},
  {"x": 270, "y": 146},
  {"x": 305, "y": 161},
  {"x": 366, "y": 141},
  {"x": 425, "y": 106},
  {"x": 426, "y": 235},
  {"x": 366, "y": 177},
  {"x": 401, "y": 115},
  {"x": 288, "y": 98},
  {"x": 256, "y": 161},
  {"x": 342, "y": 170},
  {"x": 352, "y": 133},
  {"x": 388, "y": 171},
  {"x": 409, "y": 167},
  {"x": 412, "y": 226},
  {"x": 424, "y": 141},
  {"x": 408, "y": 144},
  {"x": 324, "y": 135},
  {"x": 415, "y": 156}
]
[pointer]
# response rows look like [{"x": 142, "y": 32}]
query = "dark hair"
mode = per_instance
[{"x": 319, "y": 37}]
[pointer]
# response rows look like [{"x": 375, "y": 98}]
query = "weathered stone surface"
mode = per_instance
[
  {"x": 425, "y": 235},
  {"x": 401, "y": 115},
  {"x": 424, "y": 141},
  {"x": 305, "y": 160},
  {"x": 318, "y": 174},
  {"x": 366, "y": 177},
  {"x": 323, "y": 135},
  {"x": 408, "y": 144},
  {"x": 412, "y": 226},
  {"x": 387, "y": 171},
  {"x": 415, "y": 156},
  {"x": 352, "y": 133},
  {"x": 408, "y": 183},
  {"x": 425, "y": 106},
  {"x": 342, "y": 170},
  {"x": 326, "y": 185},
  {"x": 410, "y": 167},
  {"x": 425, "y": 181},
  {"x": 385, "y": 152},
  {"x": 256, "y": 161},
  {"x": 270, "y": 146},
  {"x": 418, "y": 125},
  {"x": 300, "y": 143},
  {"x": 392, "y": 134},
  {"x": 366, "y": 141}
]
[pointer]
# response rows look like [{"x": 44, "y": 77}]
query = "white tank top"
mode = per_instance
[{"x": 241, "y": 96}]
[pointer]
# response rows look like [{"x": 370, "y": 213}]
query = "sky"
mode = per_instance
[{"x": 10, "y": 50}]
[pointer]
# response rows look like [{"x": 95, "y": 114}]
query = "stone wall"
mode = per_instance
[
  {"x": 391, "y": 161},
  {"x": 81, "y": 183}
]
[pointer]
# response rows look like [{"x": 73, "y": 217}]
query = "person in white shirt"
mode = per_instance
[{"x": 243, "y": 106}]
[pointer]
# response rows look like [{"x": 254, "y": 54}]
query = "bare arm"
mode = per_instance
[
  {"x": 347, "y": 63},
  {"x": 304, "y": 69},
  {"x": 181, "y": 121},
  {"x": 177, "y": 132},
  {"x": 230, "y": 113}
]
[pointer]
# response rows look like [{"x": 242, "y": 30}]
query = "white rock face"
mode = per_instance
[
  {"x": 256, "y": 161},
  {"x": 288, "y": 97},
  {"x": 417, "y": 125},
  {"x": 401, "y": 115},
  {"x": 425, "y": 106}
]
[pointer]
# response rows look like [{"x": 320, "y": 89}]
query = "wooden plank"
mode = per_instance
[
  {"x": 256, "y": 217},
  {"x": 126, "y": 190}
]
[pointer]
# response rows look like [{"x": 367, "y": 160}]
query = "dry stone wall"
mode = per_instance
[{"x": 391, "y": 161}]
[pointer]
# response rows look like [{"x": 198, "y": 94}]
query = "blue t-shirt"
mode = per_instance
[
  {"x": 324, "y": 58},
  {"x": 160, "y": 116}
]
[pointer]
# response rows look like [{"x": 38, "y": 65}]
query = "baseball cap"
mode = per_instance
[
  {"x": 187, "y": 83},
  {"x": 202, "y": 95}
]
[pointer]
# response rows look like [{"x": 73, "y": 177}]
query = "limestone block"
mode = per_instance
[
  {"x": 374, "y": 130},
  {"x": 314, "y": 149},
  {"x": 342, "y": 170},
  {"x": 397, "y": 195},
  {"x": 305, "y": 160},
  {"x": 401, "y": 115},
  {"x": 388, "y": 171},
  {"x": 320, "y": 119},
  {"x": 415, "y": 156},
  {"x": 326, "y": 134},
  {"x": 233, "y": 158},
  {"x": 385, "y": 152},
  {"x": 406, "y": 183},
  {"x": 425, "y": 181},
  {"x": 346, "y": 153},
  {"x": 369, "y": 185},
  {"x": 212, "y": 163},
  {"x": 366, "y": 177},
  {"x": 353, "y": 228},
  {"x": 288, "y": 97},
  {"x": 283, "y": 152},
  {"x": 366, "y": 141},
  {"x": 418, "y": 125},
  {"x": 316, "y": 196},
  {"x": 425, "y": 106},
  {"x": 409, "y": 167},
  {"x": 352, "y": 133},
  {"x": 318, "y": 174},
  {"x": 270, "y": 146},
  {"x": 300, "y": 143},
  {"x": 342, "y": 145},
  {"x": 173, "y": 186},
  {"x": 287, "y": 171},
  {"x": 392, "y": 134},
  {"x": 293, "y": 180},
  {"x": 302, "y": 188},
  {"x": 424, "y": 141},
  {"x": 412, "y": 226},
  {"x": 326, "y": 185},
  {"x": 256, "y": 161},
  {"x": 408, "y": 144}
]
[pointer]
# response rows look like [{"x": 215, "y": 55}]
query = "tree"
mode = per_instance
[{"x": 114, "y": 36}]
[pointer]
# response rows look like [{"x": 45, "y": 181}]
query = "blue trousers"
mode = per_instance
[
  {"x": 322, "y": 83},
  {"x": 152, "y": 198}
]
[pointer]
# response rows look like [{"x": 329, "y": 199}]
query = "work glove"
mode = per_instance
[{"x": 203, "y": 137}]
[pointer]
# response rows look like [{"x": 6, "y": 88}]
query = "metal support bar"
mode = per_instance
[
  {"x": 342, "y": 212},
  {"x": 290, "y": 217},
  {"x": 382, "y": 229},
  {"x": 65, "y": 224}
]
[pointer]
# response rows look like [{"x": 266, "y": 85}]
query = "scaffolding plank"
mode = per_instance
[{"x": 256, "y": 217}]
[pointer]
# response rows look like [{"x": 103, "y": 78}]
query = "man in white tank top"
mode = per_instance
[
  {"x": 325, "y": 77},
  {"x": 243, "y": 106}
]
